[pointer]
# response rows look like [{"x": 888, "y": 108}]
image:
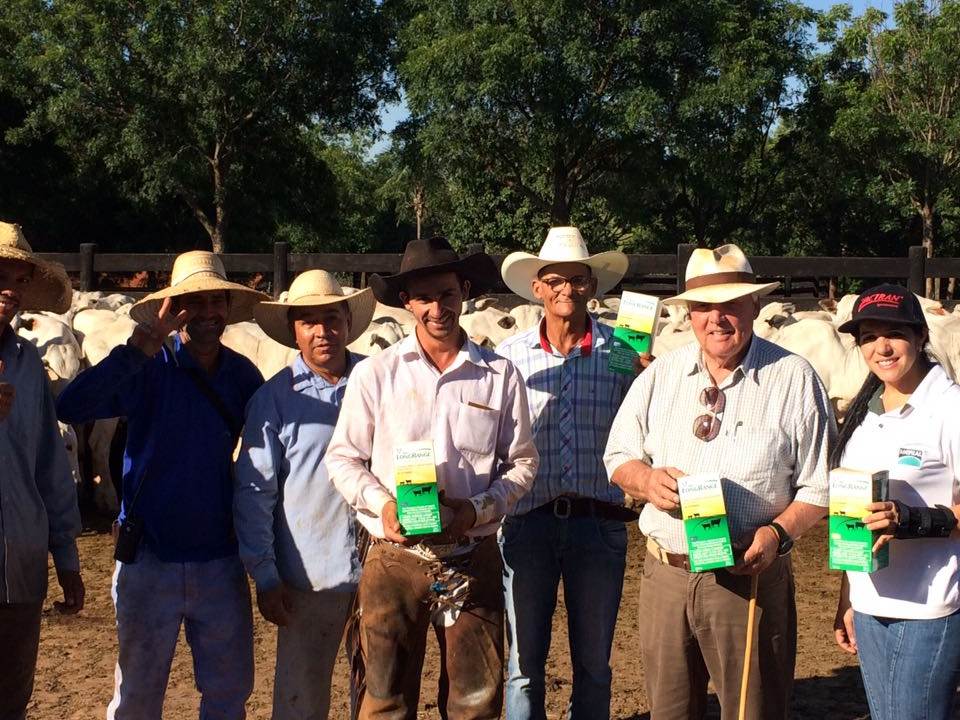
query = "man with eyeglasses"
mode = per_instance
[
  {"x": 570, "y": 526},
  {"x": 734, "y": 404}
]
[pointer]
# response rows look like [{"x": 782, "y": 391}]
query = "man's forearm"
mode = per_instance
[{"x": 799, "y": 517}]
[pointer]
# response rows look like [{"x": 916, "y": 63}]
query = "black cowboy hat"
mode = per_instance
[{"x": 427, "y": 257}]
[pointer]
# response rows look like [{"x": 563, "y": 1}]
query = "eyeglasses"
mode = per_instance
[
  {"x": 578, "y": 283},
  {"x": 707, "y": 426}
]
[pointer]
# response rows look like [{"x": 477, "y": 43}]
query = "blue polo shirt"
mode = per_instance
[{"x": 178, "y": 445}]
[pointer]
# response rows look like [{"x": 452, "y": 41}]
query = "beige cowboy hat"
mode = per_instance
[
  {"x": 200, "y": 271},
  {"x": 563, "y": 244},
  {"x": 720, "y": 275},
  {"x": 49, "y": 289},
  {"x": 314, "y": 288}
]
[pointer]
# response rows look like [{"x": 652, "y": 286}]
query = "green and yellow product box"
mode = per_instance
[
  {"x": 705, "y": 522},
  {"x": 634, "y": 330},
  {"x": 851, "y": 543},
  {"x": 415, "y": 477}
]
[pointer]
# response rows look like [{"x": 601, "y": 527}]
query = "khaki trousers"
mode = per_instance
[
  {"x": 693, "y": 630},
  {"x": 307, "y": 652},
  {"x": 395, "y": 605},
  {"x": 19, "y": 642}
]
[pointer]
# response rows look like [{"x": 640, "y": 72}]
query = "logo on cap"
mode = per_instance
[{"x": 889, "y": 300}]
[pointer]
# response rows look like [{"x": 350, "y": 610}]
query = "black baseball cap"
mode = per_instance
[{"x": 887, "y": 303}]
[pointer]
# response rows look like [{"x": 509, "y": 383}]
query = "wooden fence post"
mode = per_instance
[
  {"x": 280, "y": 265},
  {"x": 917, "y": 260},
  {"x": 87, "y": 279},
  {"x": 684, "y": 251}
]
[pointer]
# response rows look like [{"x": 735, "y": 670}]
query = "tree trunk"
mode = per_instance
[
  {"x": 419, "y": 207},
  {"x": 218, "y": 239},
  {"x": 926, "y": 214}
]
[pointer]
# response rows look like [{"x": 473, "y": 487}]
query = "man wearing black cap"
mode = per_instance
[{"x": 468, "y": 404}]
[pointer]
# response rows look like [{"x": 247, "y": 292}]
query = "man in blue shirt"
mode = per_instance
[
  {"x": 38, "y": 499},
  {"x": 296, "y": 532},
  {"x": 571, "y": 523},
  {"x": 184, "y": 402}
]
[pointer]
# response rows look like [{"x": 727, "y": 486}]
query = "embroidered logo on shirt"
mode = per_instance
[{"x": 910, "y": 456}]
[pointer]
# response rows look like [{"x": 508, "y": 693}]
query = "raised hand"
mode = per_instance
[
  {"x": 7, "y": 394},
  {"x": 149, "y": 338}
]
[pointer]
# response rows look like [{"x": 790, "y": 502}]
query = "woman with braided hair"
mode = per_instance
[{"x": 904, "y": 620}]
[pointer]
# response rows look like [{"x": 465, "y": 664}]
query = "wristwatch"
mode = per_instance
[{"x": 785, "y": 544}]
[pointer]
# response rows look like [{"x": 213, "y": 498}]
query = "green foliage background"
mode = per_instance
[{"x": 171, "y": 124}]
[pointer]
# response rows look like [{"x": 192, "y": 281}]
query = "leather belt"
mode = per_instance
[
  {"x": 676, "y": 560},
  {"x": 565, "y": 507}
]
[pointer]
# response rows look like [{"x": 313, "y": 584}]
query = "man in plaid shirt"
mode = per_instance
[{"x": 571, "y": 524}]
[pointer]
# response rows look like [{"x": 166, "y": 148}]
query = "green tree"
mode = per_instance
[
  {"x": 906, "y": 123},
  {"x": 174, "y": 98}
]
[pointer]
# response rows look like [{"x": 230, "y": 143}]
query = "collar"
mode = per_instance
[
  {"x": 411, "y": 349},
  {"x": 748, "y": 366},
  {"x": 304, "y": 376},
  {"x": 932, "y": 386},
  {"x": 586, "y": 342}
]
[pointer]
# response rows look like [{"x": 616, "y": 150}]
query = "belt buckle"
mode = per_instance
[{"x": 567, "y": 506}]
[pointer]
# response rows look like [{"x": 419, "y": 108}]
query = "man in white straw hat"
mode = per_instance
[
  {"x": 738, "y": 406},
  {"x": 571, "y": 523},
  {"x": 183, "y": 397},
  {"x": 38, "y": 499},
  {"x": 468, "y": 404},
  {"x": 296, "y": 532}
]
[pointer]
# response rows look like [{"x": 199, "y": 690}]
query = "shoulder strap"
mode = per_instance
[{"x": 203, "y": 385}]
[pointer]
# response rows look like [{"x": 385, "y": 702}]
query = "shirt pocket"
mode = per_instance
[{"x": 476, "y": 430}]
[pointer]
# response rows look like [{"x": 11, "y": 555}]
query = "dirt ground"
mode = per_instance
[{"x": 75, "y": 670}]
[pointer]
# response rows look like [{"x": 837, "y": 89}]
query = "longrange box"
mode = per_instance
[
  {"x": 415, "y": 477},
  {"x": 634, "y": 331},
  {"x": 705, "y": 522},
  {"x": 851, "y": 542}
]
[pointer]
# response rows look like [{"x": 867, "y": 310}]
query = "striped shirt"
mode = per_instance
[
  {"x": 772, "y": 446},
  {"x": 579, "y": 389}
]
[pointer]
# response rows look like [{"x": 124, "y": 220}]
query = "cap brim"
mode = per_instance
[
  {"x": 851, "y": 325},
  {"x": 242, "y": 299},
  {"x": 273, "y": 317},
  {"x": 722, "y": 292},
  {"x": 520, "y": 269},
  {"x": 478, "y": 268}
]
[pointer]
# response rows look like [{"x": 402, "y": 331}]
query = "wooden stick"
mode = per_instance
[{"x": 748, "y": 651}]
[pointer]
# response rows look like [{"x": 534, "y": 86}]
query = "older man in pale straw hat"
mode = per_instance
[
  {"x": 571, "y": 524},
  {"x": 296, "y": 532},
  {"x": 38, "y": 499},
  {"x": 734, "y": 405},
  {"x": 467, "y": 403},
  {"x": 183, "y": 397}
]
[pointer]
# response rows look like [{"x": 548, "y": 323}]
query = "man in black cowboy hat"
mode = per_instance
[{"x": 436, "y": 386}]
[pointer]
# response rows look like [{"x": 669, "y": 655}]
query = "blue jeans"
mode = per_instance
[
  {"x": 590, "y": 555},
  {"x": 153, "y": 598},
  {"x": 910, "y": 668}
]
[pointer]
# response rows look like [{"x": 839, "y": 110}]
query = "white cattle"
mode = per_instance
[
  {"x": 527, "y": 316},
  {"x": 267, "y": 354},
  {"x": 56, "y": 343},
  {"x": 487, "y": 324},
  {"x": 378, "y": 336}
]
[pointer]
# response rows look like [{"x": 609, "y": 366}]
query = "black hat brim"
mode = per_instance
[{"x": 479, "y": 269}]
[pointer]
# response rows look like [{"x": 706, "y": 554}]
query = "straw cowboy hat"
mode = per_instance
[
  {"x": 49, "y": 289},
  {"x": 563, "y": 244},
  {"x": 426, "y": 257},
  {"x": 314, "y": 288},
  {"x": 720, "y": 275},
  {"x": 200, "y": 271}
]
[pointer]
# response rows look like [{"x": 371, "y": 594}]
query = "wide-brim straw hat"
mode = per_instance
[
  {"x": 200, "y": 271},
  {"x": 314, "y": 288},
  {"x": 430, "y": 256},
  {"x": 563, "y": 244},
  {"x": 49, "y": 288},
  {"x": 718, "y": 276}
]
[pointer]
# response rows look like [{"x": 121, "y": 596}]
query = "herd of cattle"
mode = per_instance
[{"x": 98, "y": 322}]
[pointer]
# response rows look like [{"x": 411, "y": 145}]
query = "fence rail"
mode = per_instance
[{"x": 658, "y": 274}]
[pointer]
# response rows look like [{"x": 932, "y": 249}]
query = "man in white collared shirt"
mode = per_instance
[{"x": 437, "y": 386}]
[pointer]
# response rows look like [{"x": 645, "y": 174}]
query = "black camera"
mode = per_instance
[{"x": 129, "y": 535}]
